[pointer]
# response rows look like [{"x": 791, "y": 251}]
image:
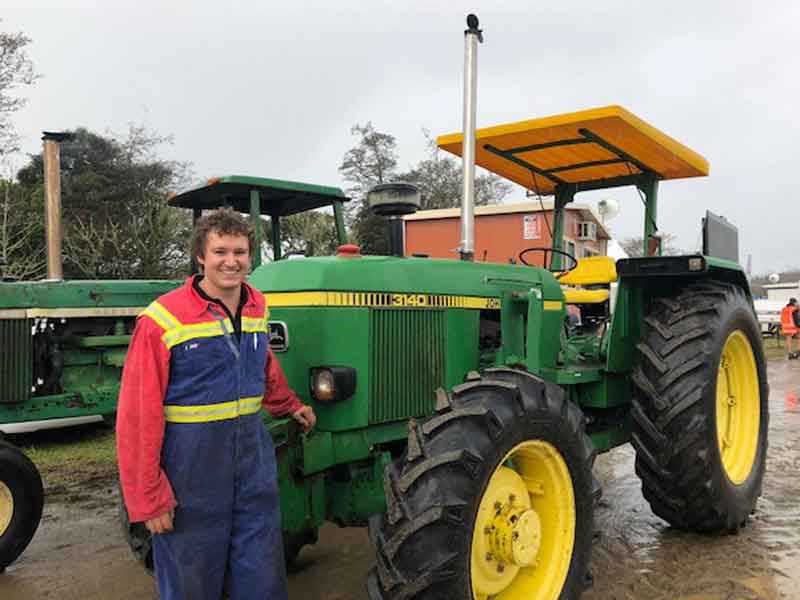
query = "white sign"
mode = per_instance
[{"x": 530, "y": 227}]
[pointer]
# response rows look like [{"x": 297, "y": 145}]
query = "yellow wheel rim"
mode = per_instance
[
  {"x": 6, "y": 507},
  {"x": 525, "y": 528},
  {"x": 738, "y": 407}
]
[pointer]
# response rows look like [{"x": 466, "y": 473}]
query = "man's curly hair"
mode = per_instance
[{"x": 223, "y": 221}]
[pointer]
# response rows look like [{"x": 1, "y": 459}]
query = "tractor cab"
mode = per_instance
[{"x": 259, "y": 196}]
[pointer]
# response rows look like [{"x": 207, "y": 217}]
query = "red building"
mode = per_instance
[{"x": 502, "y": 231}]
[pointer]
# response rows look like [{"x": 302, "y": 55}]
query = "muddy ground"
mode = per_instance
[{"x": 79, "y": 551}]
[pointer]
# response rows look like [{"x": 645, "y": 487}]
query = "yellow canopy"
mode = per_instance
[{"x": 592, "y": 147}]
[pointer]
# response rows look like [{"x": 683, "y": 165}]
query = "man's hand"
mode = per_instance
[
  {"x": 161, "y": 523},
  {"x": 306, "y": 417}
]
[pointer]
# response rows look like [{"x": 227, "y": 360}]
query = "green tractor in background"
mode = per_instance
[{"x": 457, "y": 415}]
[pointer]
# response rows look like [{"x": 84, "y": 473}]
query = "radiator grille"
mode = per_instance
[
  {"x": 16, "y": 360},
  {"x": 407, "y": 362}
]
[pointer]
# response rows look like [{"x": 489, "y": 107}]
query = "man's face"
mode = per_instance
[{"x": 225, "y": 260}]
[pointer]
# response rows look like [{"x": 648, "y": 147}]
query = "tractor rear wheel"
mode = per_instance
[
  {"x": 491, "y": 499},
  {"x": 21, "y": 502},
  {"x": 700, "y": 410}
]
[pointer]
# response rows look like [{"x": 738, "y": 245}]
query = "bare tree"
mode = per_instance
[
  {"x": 312, "y": 233},
  {"x": 634, "y": 246},
  {"x": 21, "y": 231},
  {"x": 372, "y": 161},
  {"x": 16, "y": 70},
  {"x": 440, "y": 179}
]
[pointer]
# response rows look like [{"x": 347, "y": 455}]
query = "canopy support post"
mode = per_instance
[
  {"x": 648, "y": 185},
  {"x": 338, "y": 215},
  {"x": 564, "y": 195},
  {"x": 255, "y": 219}
]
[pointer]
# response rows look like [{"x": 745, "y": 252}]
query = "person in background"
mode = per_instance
[
  {"x": 196, "y": 465},
  {"x": 790, "y": 326}
]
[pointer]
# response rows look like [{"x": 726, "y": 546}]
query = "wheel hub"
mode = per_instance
[
  {"x": 515, "y": 535},
  {"x": 6, "y": 507}
]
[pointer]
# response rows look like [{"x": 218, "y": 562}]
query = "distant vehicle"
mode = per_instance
[{"x": 769, "y": 315}]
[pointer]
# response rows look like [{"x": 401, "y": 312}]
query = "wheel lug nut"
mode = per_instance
[
  {"x": 489, "y": 556},
  {"x": 500, "y": 567}
]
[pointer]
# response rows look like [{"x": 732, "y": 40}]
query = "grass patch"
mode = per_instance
[
  {"x": 73, "y": 454},
  {"x": 774, "y": 350}
]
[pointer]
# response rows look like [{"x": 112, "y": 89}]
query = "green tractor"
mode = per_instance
[{"x": 458, "y": 415}]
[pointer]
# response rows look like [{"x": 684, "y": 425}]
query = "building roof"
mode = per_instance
[
  {"x": 587, "y": 213},
  {"x": 788, "y": 285}
]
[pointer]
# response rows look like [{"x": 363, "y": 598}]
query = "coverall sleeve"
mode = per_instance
[
  {"x": 279, "y": 399},
  {"x": 140, "y": 424}
]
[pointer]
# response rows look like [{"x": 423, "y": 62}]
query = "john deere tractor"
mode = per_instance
[{"x": 459, "y": 410}]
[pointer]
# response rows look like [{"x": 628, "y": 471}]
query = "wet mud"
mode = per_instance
[{"x": 79, "y": 551}]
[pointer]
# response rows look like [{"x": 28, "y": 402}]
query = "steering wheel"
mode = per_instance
[{"x": 547, "y": 251}]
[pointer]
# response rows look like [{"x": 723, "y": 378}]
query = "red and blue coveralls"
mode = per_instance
[{"x": 190, "y": 437}]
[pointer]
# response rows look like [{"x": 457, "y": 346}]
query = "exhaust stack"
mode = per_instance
[
  {"x": 52, "y": 201},
  {"x": 472, "y": 36}
]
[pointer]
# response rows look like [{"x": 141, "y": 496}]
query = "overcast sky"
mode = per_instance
[{"x": 272, "y": 88}]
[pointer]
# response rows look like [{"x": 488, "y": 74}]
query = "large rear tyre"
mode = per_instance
[
  {"x": 21, "y": 502},
  {"x": 491, "y": 499},
  {"x": 700, "y": 411}
]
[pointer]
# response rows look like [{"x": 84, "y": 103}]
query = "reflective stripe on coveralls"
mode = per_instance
[
  {"x": 221, "y": 464},
  {"x": 788, "y": 326}
]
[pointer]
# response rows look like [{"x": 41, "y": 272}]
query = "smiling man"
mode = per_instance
[{"x": 196, "y": 464}]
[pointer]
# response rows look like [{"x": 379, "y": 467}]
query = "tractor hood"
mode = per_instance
[{"x": 400, "y": 276}]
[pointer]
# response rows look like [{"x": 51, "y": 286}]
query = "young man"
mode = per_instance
[
  {"x": 790, "y": 325},
  {"x": 196, "y": 464}
]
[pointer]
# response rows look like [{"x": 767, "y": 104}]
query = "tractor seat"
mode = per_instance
[
  {"x": 592, "y": 270},
  {"x": 580, "y": 296}
]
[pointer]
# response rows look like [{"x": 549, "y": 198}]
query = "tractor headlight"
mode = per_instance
[
  {"x": 697, "y": 263},
  {"x": 332, "y": 384}
]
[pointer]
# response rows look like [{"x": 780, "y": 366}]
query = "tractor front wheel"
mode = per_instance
[
  {"x": 21, "y": 502},
  {"x": 491, "y": 499},
  {"x": 700, "y": 410}
]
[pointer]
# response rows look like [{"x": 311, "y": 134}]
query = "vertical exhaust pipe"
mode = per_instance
[
  {"x": 472, "y": 36},
  {"x": 52, "y": 201}
]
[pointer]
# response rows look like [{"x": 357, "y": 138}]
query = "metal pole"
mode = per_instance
[
  {"x": 472, "y": 36},
  {"x": 563, "y": 196},
  {"x": 396, "y": 227},
  {"x": 276, "y": 236},
  {"x": 197, "y": 213},
  {"x": 255, "y": 219},
  {"x": 338, "y": 214},
  {"x": 649, "y": 188},
  {"x": 52, "y": 201}
]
